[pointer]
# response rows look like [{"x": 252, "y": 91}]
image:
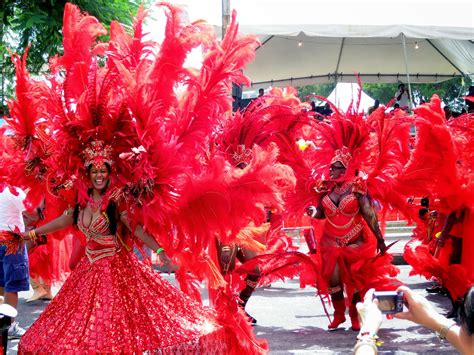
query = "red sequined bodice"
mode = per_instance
[
  {"x": 100, "y": 243},
  {"x": 343, "y": 222}
]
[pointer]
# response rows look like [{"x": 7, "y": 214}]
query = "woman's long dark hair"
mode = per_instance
[
  {"x": 466, "y": 311},
  {"x": 111, "y": 211}
]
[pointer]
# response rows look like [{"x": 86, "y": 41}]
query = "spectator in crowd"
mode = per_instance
[
  {"x": 447, "y": 112},
  {"x": 470, "y": 103},
  {"x": 403, "y": 97},
  {"x": 14, "y": 276},
  {"x": 373, "y": 108}
]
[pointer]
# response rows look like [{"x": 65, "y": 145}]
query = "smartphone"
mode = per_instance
[{"x": 390, "y": 302}]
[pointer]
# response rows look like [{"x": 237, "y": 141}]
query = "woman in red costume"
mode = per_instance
[
  {"x": 363, "y": 156},
  {"x": 344, "y": 203},
  {"x": 266, "y": 122},
  {"x": 112, "y": 302},
  {"x": 133, "y": 171}
]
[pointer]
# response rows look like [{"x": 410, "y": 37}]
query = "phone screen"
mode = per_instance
[{"x": 389, "y": 302}]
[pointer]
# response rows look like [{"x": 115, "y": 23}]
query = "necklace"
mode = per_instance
[
  {"x": 342, "y": 189},
  {"x": 95, "y": 205}
]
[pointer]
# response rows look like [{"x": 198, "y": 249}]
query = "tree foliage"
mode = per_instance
[
  {"x": 305, "y": 92},
  {"x": 39, "y": 23},
  {"x": 450, "y": 91}
]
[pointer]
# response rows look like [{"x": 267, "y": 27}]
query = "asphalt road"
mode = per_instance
[{"x": 293, "y": 321}]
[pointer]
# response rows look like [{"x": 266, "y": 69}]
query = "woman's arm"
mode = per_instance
[
  {"x": 420, "y": 311},
  {"x": 147, "y": 239},
  {"x": 370, "y": 216},
  {"x": 62, "y": 222},
  {"x": 453, "y": 218}
]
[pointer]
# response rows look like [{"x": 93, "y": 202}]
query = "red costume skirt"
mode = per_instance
[
  {"x": 360, "y": 267},
  {"x": 119, "y": 305}
]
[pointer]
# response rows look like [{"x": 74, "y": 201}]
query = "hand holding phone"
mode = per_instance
[{"x": 419, "y": 310}]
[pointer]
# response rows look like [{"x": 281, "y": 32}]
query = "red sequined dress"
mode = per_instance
[{"x": 113, "y": 303}]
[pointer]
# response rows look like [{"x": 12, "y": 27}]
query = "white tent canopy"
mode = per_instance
[
  {"x": 321, "y": 41},
  {"x": 346, "y": 93}
]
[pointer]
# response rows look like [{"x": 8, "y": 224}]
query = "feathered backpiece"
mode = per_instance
[
  {"x": 373, "y": 149},
  {"x": 133, "y": 104},
  {"x": 441, "y": 162},
  {"x": 117, "y": 103},
  {"x": 275, "y": 117},
  {"x": 461, "y": 129},
  {"x": 343, "y": 138}
]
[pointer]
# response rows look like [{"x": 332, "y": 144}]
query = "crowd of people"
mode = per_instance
[{"x": 121, "y": 147}]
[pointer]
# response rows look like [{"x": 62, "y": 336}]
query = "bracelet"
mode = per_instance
[
  {"x": 365, "y": 336},
  {"x": 159, "y": 250},
  {"x": 365, "y": 341},
  {"x": 443, "y": 331},
  {"x": 32, "y": 235}
]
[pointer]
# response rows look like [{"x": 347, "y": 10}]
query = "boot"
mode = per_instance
[
  {"x": 353, "y": 312},
  {"x": 355, "y": 324},
  {"x": 245, "y": 294},
  {"x": 38, "y": 291},
  {"x": 339, "y": 305}
]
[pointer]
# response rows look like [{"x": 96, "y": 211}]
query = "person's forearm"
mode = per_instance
[
  {"x": 449, "y": 223},
  {"x": 147, "y": 239},
  {"x": 365, "y": 349},
  {"x": 370, "y": 216},
  {"x": 55, "y": 225},
  {"x": 452, "y": 335}
]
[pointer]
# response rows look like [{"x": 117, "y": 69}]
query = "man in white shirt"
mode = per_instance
[{"x": 14, "y": 275}]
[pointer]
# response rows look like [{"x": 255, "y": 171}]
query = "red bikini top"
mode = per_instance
[{"x": 348, "y": 206}]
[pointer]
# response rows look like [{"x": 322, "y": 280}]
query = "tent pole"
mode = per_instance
[
  {"x": 406, "y": 69},
  {"x": 225, "y": 16},
  {"x": 337, "y": 69},
  {"x": 236, "y": 89}
]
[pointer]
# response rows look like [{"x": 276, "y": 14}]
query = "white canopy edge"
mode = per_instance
[
  {"x": 446, "y": 26},
  {"x": 335, "y": 30},
  {"x": 452, "y": 19}
]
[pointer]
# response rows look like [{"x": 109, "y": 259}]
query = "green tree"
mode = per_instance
[
  {"x": 450, "y": 91},
  {"x": 383, "y": 92},
  {"x": 324, "y": 90},
  {"x": 39, "y": 23}
]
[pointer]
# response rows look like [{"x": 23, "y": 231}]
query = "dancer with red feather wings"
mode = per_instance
[
  {"x": 245, "y": 140},
  {"x": 359, "y": 155},
  {"x": 442, "y": 168},
  {"x": 117, "y": 136}
]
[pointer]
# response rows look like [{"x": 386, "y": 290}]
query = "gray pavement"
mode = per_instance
[{"x": 293, "y": 321}]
